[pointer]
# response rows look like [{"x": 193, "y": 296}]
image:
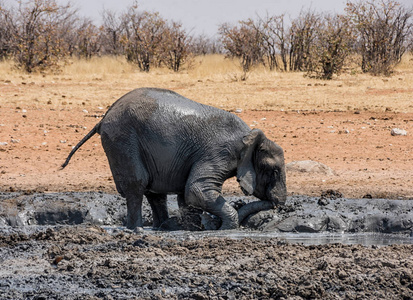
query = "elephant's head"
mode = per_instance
[{"x": 261, "y": 168}]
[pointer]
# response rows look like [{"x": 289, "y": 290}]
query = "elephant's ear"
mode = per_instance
[{"x": 246, "y": 175}]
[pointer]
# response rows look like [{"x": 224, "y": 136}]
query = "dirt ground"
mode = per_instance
[
  {"x": 89, "y": 263},
  {"x": 83, "y": 262},
  {"x": 358, "y": 146}
]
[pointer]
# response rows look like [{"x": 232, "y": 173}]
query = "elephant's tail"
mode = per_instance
[{"x": 85, "y": 138}]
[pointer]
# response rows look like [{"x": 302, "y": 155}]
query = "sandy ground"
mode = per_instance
[{"x": 366, "y": 158}]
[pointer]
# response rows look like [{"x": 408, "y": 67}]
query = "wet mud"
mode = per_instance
[
  {"x": 300, "y": 214},
  {"x": 74, "y": 246}
]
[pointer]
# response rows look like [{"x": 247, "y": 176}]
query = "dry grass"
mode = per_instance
[
  {"x": 213, "y": 80},
  {"x": 97, "y": 66}
]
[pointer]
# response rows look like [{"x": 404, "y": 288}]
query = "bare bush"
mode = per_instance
[
  {"x": 37, "y": 30},
  {"x": 383, "y": 28},
  {"x": 112, "y": 30},
  {"x": 275, "y": 41},
  {"x": 87, "y": 41},
  {"x": 302, "y": 35},
  {"x": 175, "y": 47},
  {"x": 6, "y": 37},
  {"x": 332, "y": 44},
  {"x": 142, "y": 38},
  {"x": 203, "y": 45},
  {"x": 243, "y": 42}
]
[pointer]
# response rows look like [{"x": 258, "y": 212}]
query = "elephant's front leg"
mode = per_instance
[{"x": 212, "y": 201}]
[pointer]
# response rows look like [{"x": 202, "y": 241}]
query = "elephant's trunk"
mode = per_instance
[{"x": 252, "y": 208}]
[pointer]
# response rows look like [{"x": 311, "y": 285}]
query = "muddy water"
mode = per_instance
[
  {"x": 306, "y": 220},
  {"x": 365, "y": 239}
]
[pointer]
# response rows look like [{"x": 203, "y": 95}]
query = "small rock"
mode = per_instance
[
  {"x": 323, "y": 202},
  {"x": 85, "y": 111},
  {"x": 138, "y": 230},
  {"x": 331, "y": 194},
  {"x": 341, "y": 274},
  {"x": 398, "y": 131},
  {"x": 309, "y": 166},
  {"x": 3, "y": 143},
  {"x": 15, "y": 141},
  {"x": 238, "y": 110},
  {"x": 57, "y": 260}
]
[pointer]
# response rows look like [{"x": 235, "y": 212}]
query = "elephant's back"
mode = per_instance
[{"x": 161, "y": 109}]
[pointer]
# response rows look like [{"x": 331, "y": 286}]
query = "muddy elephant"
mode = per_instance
[{"x": 158, "y": 142}]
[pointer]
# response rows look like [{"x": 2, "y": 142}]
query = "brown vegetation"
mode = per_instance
[{"x": 40, "y": 35}]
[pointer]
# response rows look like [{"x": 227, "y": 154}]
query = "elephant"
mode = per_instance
[{"x": 158, "y": 142}]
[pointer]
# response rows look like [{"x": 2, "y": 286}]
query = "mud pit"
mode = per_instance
[{"x": 78, "y": 249}]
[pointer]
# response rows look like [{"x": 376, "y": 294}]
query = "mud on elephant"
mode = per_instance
[{"x": 158, "y": 142}]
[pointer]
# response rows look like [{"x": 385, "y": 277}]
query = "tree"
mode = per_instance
[
  {"x": 37, "y": 30},
  {"x": 383, "y": 28},
  {"x": 332, "y": 45},
  {"x": 203, "y": 45},
  {"x": 88, "y": 39},
  {"x": 6, "y": 44},
  {"x": 243, "y": 42},
  {"x": 143, "y": 34},
  {"x": 175, "y": 47},
  {"x": 302, "y": 35},
  {"x": 112, "y": 31},
  {"x": 274, "y": 41}
]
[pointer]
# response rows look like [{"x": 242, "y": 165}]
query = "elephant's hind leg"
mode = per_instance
[
  {"x": 134, "y": 196},
  {"x": 129, "y": 174},
  {"x": 159, "y": 207}
]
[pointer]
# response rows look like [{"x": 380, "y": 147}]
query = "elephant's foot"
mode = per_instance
[
  {"x": 229, "y": 217},
  {"x": 134, "y": 219},
  {"x": 133, "y": 223},
  {"x": 228, "y": 225}
]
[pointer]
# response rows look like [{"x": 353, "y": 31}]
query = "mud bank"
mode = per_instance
[
  {"x": 301, "y": 214},
  {"x": 73, "y": 246},
  {"x": 86, "y": 262}
]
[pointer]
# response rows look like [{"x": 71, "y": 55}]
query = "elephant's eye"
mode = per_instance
[{"x": 271, "y": 174}]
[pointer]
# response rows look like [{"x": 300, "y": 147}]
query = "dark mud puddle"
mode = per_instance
[{"x": 307, "y": 220}]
